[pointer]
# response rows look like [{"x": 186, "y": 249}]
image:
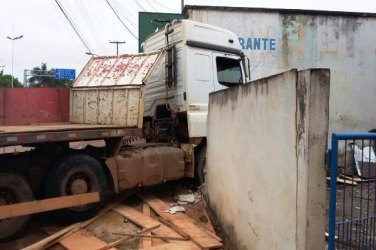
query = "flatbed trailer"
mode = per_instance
[
  {"x": 63, "y": 132},
  {"x": 53, "y": 175},
  {"x": 105, "y": 103}
]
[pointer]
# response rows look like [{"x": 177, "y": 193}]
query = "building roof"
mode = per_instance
[{"x": 272, "y": 10}]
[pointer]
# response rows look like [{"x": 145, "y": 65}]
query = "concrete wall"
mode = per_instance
[
  {"x": 266, "y": 170},
  {"x": 278, "y": 40}
]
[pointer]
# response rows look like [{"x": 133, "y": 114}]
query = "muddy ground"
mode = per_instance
[{"x": 42, "y": 225}]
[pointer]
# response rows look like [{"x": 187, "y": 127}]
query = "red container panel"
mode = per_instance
[{"x": 24, "y": 106}]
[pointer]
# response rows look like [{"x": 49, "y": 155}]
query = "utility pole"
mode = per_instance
[
  {"x": 13, "y": 38},
  {"x": 117, "y": 45}
]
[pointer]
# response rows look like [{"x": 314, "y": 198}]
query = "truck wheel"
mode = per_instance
[
  {"x": 77, "y": 174},
  {"x": 13, "y": 189},
  {"x": 201, "y": 167}
]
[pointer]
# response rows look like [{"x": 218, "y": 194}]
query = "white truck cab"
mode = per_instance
[{"x": 198, "y": 59}]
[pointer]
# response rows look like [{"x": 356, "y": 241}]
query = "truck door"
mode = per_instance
[
  {"x": 200, "y": 82},
  {"x": 228, "y": 71}
]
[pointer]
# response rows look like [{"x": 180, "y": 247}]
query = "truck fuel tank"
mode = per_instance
[{"x": 148, "y": 165}]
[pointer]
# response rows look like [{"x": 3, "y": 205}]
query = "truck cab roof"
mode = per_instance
[{"x": 196, "y": 34}]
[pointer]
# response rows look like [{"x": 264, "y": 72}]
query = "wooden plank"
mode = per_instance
[
  {"x": 208, "y": 225},
  {"x": 169, "y": 246},
  {"x": 174, "y": 227},
  {"x": 118, "y": 242},
  {"x": 197, "y": 234},
  {"x": 343, "y": 181},
  {"x": 143, "y": 236},
  {"x": 46, "y": 242},
  {"x": 356, "y": 179},
  {"x": 157, "y": 242},
  {"x": 83, "y": 240},
  {"x": 145, "y": 242},
  {"x": 38, "y": 206},
  {"x": 143, "y": 221},
  {"x": 66, "y": 232}
]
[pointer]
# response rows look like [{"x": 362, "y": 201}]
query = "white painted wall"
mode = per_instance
[
  {"x": 266, "y": 170},
  {"x": 344, "y": 43}
]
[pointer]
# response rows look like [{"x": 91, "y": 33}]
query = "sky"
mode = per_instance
[{"x": 49, "y": 38}]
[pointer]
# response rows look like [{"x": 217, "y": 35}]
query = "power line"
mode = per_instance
[
  {"x": 151, "y": 5},
  {"x": 62, "y": 19},
  {"x": 124, "y": 13},
  {"x": 128, "y": 12},
  {"x": 89, "y": 23},
  {"x": 73, "y": 26},
  {"x": 164, "y": 6},
  {"x": 121, "y": 20},
  {"x": 139, "y": 5}
]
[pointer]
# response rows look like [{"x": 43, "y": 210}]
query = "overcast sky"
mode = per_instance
[{"x": 48, "y": 37}]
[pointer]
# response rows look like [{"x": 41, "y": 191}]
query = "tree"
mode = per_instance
[
  {"x": 6, "y": 81},
  {"x": 44, "y": 77}
]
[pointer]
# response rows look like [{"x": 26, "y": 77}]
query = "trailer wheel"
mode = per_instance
[
  {"x": 201, "y": 167},
  {"x": 77, "y": 174},
  {"x": 13, "y": 189}
]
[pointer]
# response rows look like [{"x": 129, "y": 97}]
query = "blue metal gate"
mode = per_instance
[{"x": 352, "y": 204}]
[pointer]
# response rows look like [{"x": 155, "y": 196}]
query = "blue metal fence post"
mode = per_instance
[{"x": 333, "y": 192}]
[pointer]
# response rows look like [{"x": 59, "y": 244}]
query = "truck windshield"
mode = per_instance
[{"x": 229, "y": 71}]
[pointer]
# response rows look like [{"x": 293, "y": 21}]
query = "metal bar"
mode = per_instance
[
  {"x": 368, "y": 196},
  {"x": 352, "y": 203},
  {"x": 344, "y": 199},
  {"x": 374, "y": 221},
  {"x": 354, "y": 136},
  {"x": 11, "y": 139},
  {"x": 333, "y": 191},
  {"x": 359, "y": 225}
]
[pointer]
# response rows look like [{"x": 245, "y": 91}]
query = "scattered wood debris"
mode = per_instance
[
  {"x": 118, "y": 242},
  {"x": 351, "y": 180},
  {"x": 344, "y": 181},
  {"x": 142, "y": 225},
  {"x": 200, "y": 236},
  {"x": 68, "y": 231},
  {"x": 357, "y": 178},
  {"x": 145, "y": 242},
  {"x": 143, "y": 221}
]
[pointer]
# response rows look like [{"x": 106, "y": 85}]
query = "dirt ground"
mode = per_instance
[{"x": 111, "y": 222}]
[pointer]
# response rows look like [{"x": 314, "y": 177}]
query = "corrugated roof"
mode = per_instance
[{"x": 116, "y": 70}]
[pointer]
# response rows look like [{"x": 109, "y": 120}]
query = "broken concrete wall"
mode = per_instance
[{"x": 266, "y": 170}]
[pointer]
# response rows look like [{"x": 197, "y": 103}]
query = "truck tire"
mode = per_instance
[
  {"x": 200, "y": 162},
  {"x": 77, "y": 174},
  {"x": 13, "y": 189}
]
